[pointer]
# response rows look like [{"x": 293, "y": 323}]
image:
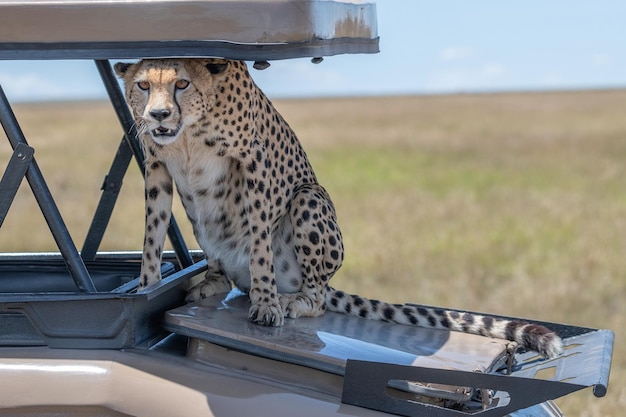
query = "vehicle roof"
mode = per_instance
[{"x": 253, "y": 30}]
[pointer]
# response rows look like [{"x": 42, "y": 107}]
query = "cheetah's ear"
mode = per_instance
[
  {"x": 217, "y": 66},
  {"x": 121, "y": 68}
]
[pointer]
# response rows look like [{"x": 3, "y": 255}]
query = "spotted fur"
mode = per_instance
[{"x": 256, "y": 207}]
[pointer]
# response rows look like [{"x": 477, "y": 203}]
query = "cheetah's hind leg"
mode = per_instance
[
  {"x": 215, "y": 282},
  {"x": 318, "y": 247}
]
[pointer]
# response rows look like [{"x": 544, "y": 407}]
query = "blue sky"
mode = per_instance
[{"x": 427, "y": 47}]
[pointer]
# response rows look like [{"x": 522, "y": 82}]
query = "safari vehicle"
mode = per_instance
[{"x": 78, "y": 339}]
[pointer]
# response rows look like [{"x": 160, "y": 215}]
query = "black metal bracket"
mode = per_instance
[
  {"x": 110, "y": 190},
  {"x": 365, "y": 385},
  {"x": 46, "y": 203},
  {"x": 13, "y": 175}
]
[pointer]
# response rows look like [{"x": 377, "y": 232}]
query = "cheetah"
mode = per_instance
[{"x": 257, "y": 210}]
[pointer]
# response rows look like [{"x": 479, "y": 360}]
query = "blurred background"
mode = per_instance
[{"x": 426, "y": 47}]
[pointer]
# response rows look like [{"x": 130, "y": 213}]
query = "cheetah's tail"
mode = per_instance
[{"x": 531, "y": 336}]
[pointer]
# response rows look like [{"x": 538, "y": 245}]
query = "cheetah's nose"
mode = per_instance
[{"x": 160, "y": 114}]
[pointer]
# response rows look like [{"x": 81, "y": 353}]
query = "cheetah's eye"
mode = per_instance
[
  {"x": 182, "y": 84},
  {"x": 143, "y": 85}
]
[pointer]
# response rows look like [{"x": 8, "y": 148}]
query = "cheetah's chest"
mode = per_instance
[{"x": 212, "y": 194}]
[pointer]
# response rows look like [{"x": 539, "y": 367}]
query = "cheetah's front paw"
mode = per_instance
[{"x": 266, "y": 314}]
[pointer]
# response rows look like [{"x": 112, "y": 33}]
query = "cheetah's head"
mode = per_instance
[{"x": 168, "y": 95}]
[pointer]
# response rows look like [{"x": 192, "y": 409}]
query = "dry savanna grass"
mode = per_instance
[{"x": 508, "y": 203}]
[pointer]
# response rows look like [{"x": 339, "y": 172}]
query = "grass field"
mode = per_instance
[{"x": 509, "y": 203}]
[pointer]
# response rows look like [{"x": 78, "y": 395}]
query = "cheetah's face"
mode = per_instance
[{"x": 164, "y": 95}]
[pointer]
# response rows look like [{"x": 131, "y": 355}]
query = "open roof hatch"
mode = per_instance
[{"x": 406, "y": 370}]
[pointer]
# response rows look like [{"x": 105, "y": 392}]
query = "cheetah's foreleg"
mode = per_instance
[
  {"x": 158, "y": 188},
  {"x": 265, "y": 309}
]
